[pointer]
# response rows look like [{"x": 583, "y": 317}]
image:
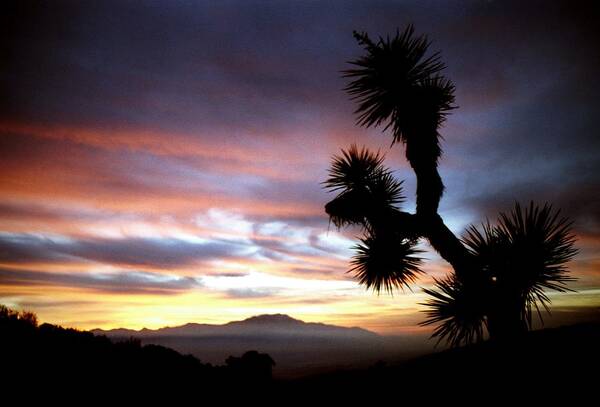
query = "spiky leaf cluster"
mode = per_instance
[
  {"x": 536, "y": 243},
  {"x": 518, "y": 259},
  {"x": 366, "y": 188},
  {"x": 458, "y": 310},
  {"x": 397, "y": 86},
  {"x": 384, "y": 262},
  {"x": 369, "y": 195}
]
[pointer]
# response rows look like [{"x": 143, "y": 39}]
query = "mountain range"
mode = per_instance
[
  {"x": 299, "y": 348},
  {"x": 261, "y": 325}
]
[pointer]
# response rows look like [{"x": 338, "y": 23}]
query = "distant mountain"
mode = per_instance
[
  {"x": 272, "y": 325},
  {"x": 31, "y": 354},
  {"x": 297, "y": 347}
]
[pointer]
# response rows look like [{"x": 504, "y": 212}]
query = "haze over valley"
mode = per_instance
[{"x": 298, "y": 348}]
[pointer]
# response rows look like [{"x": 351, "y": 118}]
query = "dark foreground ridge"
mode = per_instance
[
  {"x": 556, "y": 360},
  {"x": 550, "y": 362},
  {"x": 68, "y": 359}
]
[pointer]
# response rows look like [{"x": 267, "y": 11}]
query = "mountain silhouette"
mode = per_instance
[
  {"x": 49, "y": 355},
  {"x": 299, "y": 347},
  {"x": 260, "y": 325}
]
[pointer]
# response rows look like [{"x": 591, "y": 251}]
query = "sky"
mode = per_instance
[{"x": 161, "y": 161}]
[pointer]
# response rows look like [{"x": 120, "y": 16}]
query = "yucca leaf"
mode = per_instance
[{"x": 385, "y": 263}]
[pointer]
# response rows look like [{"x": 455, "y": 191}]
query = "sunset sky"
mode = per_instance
[{"x": 160, "y": 162}]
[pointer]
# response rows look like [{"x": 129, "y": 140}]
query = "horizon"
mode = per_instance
[
  {"x": 170, "y": 171},
  {"x": 289, "y": 317},
  {"x": 555, "y": 323}
]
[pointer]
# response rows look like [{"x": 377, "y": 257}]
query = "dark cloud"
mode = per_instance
[
  {"x": 155, "y": 253},
  {"x": 119, "y": 283},
  {"x": 37, "y": 304},
  {"x": 181, "y": 63},
  {"x": 97, "y": 170},
  {"x": 577, "y": 201},
  {"x": 46, "y": 212},
  {"x": 15, "y": 249},
  {"x": 228, "y": 274},
  {"x": 290, "y": 248},
  {"x": 295, "y": 220},
  {"x": 524, "y": 73},
  {"x": 167, "y": 253}
]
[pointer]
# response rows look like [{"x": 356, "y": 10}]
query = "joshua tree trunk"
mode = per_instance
[
  {"x": 504, "y": 320},
  {"x": 423, "y": 157},
  {"x": 447, "y": 244}
]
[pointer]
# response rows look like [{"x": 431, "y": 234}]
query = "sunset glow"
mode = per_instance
[{"x": 171, "y": 172}]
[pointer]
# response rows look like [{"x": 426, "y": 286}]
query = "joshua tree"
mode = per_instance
[{"x": 501, "y": 272}]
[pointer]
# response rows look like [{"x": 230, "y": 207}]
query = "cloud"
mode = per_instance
[
  {"x": 229, "y": 274},
  {"x": 42, "y": 304},
  {"x": 118, "y": 283},
  {"x": 156, "y": 253},
  {"x": 36, "y": 211},
  {"x": 211, "y": 246},
  {"x": 251, "y": 293},
  {"x": 138, "y": 181},
  {"x": 577, "y": 202}
]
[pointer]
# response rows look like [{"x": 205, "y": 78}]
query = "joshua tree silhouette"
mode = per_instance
[{"x": 501, "y": 272}]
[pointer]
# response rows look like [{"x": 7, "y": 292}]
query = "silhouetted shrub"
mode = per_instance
[
  {"x": 50, "y": 354},
  {"x": 252, "y": 366}
]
